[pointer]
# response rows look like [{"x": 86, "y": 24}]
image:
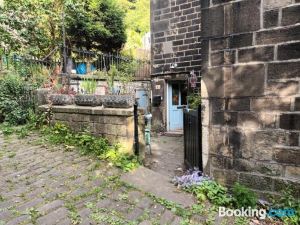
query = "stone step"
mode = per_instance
[
  {"x": 152, "y": 182},
  {"x": 176, "y": 133}
]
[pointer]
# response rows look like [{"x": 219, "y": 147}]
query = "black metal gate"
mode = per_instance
[{"x": 192, "y": 138}]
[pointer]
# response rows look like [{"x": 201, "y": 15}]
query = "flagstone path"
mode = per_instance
[{"x": 43, "y": 184}]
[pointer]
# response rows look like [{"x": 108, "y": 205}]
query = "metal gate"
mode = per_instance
[{"x": 192, "y": 138}]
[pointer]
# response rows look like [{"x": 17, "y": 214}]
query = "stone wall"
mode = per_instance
[
  {"x": 117, "y": 125},
  {"x": 175, "y": 34},
  {"x": 175, "y": 49},
  {"x": 251, "y": 71}
]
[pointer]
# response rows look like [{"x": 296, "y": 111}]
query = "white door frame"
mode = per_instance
[{"x": 167, "y": 106}]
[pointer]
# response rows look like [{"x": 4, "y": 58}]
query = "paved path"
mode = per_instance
[
  {"x": 41, "y": 184},
  {"x": 167, "y": 155}
]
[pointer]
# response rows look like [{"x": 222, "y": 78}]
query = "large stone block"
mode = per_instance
[
  {"x": 271, "y": 18},
  {"x": 246, "y": 16},
  {"x": 289, "y": 51},
  {"x": 282, "y": 88},
  {"x": 292, "y": 172},
  {"x": 287, "y": 155},
  {"x": 256, "y": 182},
  {"x": 262, "y": 143},
  {"x": 271, "y": 4},
  {"x": 290, "y": 121},
  {"x": 249, "y": 120},
  {"x": 225, "y": 177},
  {"x": 241, "y": 40},
  {"x": 219, "y": 43},
  {"x": 270, "y": 169},
  {"x": 221, "y": 162},
  {"x": 256, "y": 54},
  {"x": 242, "y": 104},
  {"x": 276, "y": 36},
  {"x": 248, "y": 80},
  {"x": 214, "y": 81},
  {"x": 291, "y": 15},
  {"x": 294, "y": 139},
  {"x": 159, "y": 4},
  {"x": 281, "y": 185},
  {"x": 297, "y": 104},
  {"x": 218, "y": 145},
  {"x": 213, "y": 21},
  {"x": 217, "y": 58},
  {"x": 271, "y": 104}
]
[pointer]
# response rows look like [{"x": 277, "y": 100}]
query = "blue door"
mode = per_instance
[{"x": 177, "y": 102}]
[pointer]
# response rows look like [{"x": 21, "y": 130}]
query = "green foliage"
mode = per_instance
[
  {"x": 95, "y": 24},
  {"x": 243, "y": 197},
  {"x": 89, "y": 86},
  {"x": 30, "y": 26},
  {"x": 88, "y": 144},
  {"x": 211, "y": 190},
  {"x": 287, "y": 200},
  {"x": 15, "y": 99},
  {"x": 35, "y": 26},
  {"x": 137, "y": 22},
  {"x": 125, "y": 161},
  {"x": 7, "y": 129},
  {"x": 194, "y": 100},
  {"x": 124, "y": 74}
]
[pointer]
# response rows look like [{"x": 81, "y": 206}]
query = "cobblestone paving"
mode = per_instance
[{"x": 41, "y": 184}]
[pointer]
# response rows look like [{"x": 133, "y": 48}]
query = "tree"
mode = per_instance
[
  {"x": 28, "y": 26},
  {"x": 95, "y": 25}
]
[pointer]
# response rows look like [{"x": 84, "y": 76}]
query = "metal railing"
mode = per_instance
[
  {"x": 85, "y": 62},
  {"x": 78, "y": 62}
]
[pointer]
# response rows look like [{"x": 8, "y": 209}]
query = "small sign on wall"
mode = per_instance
[{"x": 157, "y": 87}]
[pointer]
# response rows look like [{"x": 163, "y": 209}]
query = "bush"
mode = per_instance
[
  {"x": 211, "y": 190},
  {"x": 243, "y": 197},
  {"x": 16, "y": 99}
]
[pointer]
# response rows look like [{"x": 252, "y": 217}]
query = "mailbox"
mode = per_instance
[{"x": 156, "y": 101}]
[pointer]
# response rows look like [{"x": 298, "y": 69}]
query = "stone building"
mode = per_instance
[
  {"x": 248, "y": 52},
  {"x": 175, "y": 37}
]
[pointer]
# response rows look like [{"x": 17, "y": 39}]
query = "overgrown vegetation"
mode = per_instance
[
  {"x": 243, "y": 197},
  {"x": 35, "y": 27},
  {"x": 16, "y": 99},
  {"x": 88, "y": 144},
  {"x": 212, "y": 191},
  {"x": 287, "y": 200}
]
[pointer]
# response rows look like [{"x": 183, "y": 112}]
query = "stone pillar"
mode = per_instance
[{"x": 251, "y": 69}]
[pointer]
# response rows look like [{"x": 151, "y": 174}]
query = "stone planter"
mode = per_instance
[
  {"x": 61, "y": 99},
  {"x": 88, "y": 100},
  {"x": 118, "y": 101}
]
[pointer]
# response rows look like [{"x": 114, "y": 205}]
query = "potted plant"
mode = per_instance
[
  {"x": 62, "y": 95},
  {"x": 88, "y": 97},
  {"x": 119, "y": 99}
]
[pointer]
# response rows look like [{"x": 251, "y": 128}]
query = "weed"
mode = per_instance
[
  {"x": 34, "y": 215},
  {"x": 212, "y": 191},
  {"x": 241, "y": 221},
  {"x": 11, "y": 155},
  {"x": 243, "y": 197},
  {"x": 73, "y": 214}
]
